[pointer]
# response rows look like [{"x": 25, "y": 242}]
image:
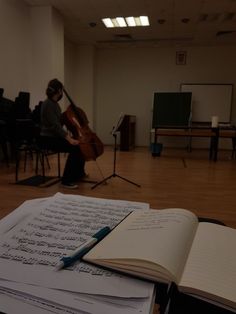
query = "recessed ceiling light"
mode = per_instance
[
  {"x": 121, "y": 21},
  {"x": 107, "y": 22},
  {"x": 144, "y": 21},
  {"x": 130, "y": 21},
  {"x": 127, "y": 21},
  {"x": 115, "y": 23}
]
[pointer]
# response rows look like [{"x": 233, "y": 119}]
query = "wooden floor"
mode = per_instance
[{"x": 176, "y": 179}]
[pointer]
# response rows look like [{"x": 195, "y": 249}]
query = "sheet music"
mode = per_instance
[
  {"x": 14, "y": 304},
  {"x": 20, "y": 213},
  {"x": 54, "y": 300},
  {"x": 120, "y": 119},
  {"x": 57, "y": 227}
]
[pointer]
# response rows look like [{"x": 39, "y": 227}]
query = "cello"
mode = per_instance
[{"x": 77, "y": 122}]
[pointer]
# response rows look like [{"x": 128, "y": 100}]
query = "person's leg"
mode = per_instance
[{"x": 74, "y": 167}]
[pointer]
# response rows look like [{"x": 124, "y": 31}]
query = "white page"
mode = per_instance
[
  {"x": 16, "y": 305},
  {"x": 210, "y": 270},
  {"x": 150, "y": 239},
  {"x": 29, "y": 251},
  {"x": 82, "y": 302},
  {"x": 23, "y": 211}
]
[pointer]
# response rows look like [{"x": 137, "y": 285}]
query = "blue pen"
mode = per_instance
[{"x": 83, "y": 249}]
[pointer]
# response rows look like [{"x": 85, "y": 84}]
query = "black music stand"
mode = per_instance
[{"x": 114, "y": 174}]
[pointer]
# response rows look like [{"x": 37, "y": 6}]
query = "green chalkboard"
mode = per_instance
[{"x": 171, "y": 109}]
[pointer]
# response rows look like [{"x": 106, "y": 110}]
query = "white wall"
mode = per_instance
[
  {"x": 84, "y": 69},
  {"x": 70, "y": 61},
  {"x": 47, "y": 48},
  {"x": 103, "y": 81},
  {"x": 32, "y": 48},
  {"x": 79, "y": 77},
  {"x": 127, "y": 77},
  {"x": 15, "y": 52}
]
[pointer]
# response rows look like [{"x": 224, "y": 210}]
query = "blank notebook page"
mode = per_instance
[{"x": 211, "y": 265}]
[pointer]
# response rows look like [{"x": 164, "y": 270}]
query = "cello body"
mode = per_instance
[{"x": 76, "y": 122}]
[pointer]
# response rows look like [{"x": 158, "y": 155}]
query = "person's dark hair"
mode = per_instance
[{"x": 53, "y": 87}]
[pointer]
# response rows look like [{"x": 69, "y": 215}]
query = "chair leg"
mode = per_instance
[
  {"x": 25, "y": 160},
  {"x": 59, "y": 165},
  {"x": 5, "y": 152},
  {"x": 37, "y": 163},
  {"x": 46, "y": 156},
  {"x": 28, "y": 152},
  {"x": 43, "y": 166},
  {"x": 17, "y": 165},
  {"x": 40, "y": 158},
  {"x": 233, "y": 147}
]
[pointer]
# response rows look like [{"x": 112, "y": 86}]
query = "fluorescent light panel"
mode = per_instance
[
  {"x": 137, "y": 21},
  {"x": 115, "y": 23},
  {"x": 128, "y": 21},
  {"x": 121, "y": 21},
  {"x": 107, "y": 22},
  {"x": 144, "y": 20}
]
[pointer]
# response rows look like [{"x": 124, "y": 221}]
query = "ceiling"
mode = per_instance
[{"x": 172, "y": 22}]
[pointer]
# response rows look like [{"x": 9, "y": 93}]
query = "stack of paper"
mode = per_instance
[{"x": 38, "y": 233}]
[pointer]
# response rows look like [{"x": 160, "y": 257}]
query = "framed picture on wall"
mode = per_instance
[{"x": 181, "y": 57}]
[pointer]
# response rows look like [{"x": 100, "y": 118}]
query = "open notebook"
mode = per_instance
[{"x": 172, "y": 246}]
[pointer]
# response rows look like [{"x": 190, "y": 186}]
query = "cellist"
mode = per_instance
[{"x": 54, "y": 137}]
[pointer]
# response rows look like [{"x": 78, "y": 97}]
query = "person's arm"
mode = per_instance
[
  {"x": 51, "y": 122},
  {"x": 71, "y": 140}
]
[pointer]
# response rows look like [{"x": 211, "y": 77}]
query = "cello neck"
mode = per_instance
[{"x": 69, "y": 98}]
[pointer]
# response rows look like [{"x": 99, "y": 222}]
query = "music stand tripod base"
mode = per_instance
[{"x": 114, "y": 174}]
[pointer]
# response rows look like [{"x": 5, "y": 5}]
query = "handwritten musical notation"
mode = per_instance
[{"x": 160, "y": 220}]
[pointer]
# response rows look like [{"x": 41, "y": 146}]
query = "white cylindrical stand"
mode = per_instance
[{"x": 214, "y": 121}]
